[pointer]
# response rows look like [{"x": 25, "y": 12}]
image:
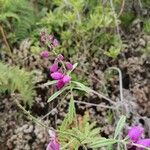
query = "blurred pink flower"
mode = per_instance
[
  {"x": 60, "y": 84},
  {"x": 69, "y": 66},
  {"x": 55, "y": 42},
  {"x": 143, "y": 142},
  {"x": 57, "y": 75},
  {"x": 60, "y": 57},
  {"x": 66, "y": 79},
  {"x": 135, "y": 133},
  {"x": 45, "y": 54},
  {"x": 54, "y": 67},
  {"x": 50, "y": 37}
]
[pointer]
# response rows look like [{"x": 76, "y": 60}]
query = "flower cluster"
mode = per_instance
[
  {"x": 135, "y": 134},
  {"x": 53, "y": 144},
  {"x": 58, "y": 71},
  {"x": 49, "y": 41}
]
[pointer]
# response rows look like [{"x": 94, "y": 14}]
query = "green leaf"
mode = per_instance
[
  {"x": 49, "y": 83},
  {"x": 70, "y": 116},
  {"x": 120, "y": 125},
  {"x": 82, "y": 86},
  {"x": 71, "y": 113},
  {"x": 102, "y": 142},
  {"x": 56, "y": 94}
]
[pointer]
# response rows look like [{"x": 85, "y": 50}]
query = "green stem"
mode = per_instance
[{"x": 35, "y": 120}]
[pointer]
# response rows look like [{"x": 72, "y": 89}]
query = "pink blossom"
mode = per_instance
[
  {"x": 135, "y": 133},
  {"x": 43, "y": 38},
  {"x": 69, "y": 66},
  {"x": 143, "y": 142},
  {"x": 45, "y": 54},
  {"x": 60, "y": 57},
  {"x": 66, "y": 79},
  {"x": 54, "y": 67},
  {"x": 57, "y": 75},
  {"x": 50, "y": 37},
  {"x": 53, "y": 145},
  {"x": 55, "y": 42},
  {"x": 60, "y": 84}
]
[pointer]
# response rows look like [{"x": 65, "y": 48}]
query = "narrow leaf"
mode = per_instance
[
  {"x": 82, "y": 86},
  {"x": 49, "y": 83},
  {"x": 71, "y": 112},
  {"x": 56, "y": 94},
  {"x": 120, "y": 125},
  {"x": 102, "y": 142}
]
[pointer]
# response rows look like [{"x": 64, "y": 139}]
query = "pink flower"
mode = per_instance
[
  {"x": 43, "y": 38},
  {"x": 57, "y": 75},
  {"x": 60, "y": 57},
  {"x": 143, "y": 142},
  {"x": 135, "y": 133},
  {"x": 66, "y": 79},
  {"x": 55, "y": 42},
  {"x": 69, "y": 66},
  {"x": 45, "y": 54},
  {"x": 53, "y": 145},
  {"x": 50, "y": 37},
  {"x": 54, "y": 67},
  {"x": 60, "y": 84}
]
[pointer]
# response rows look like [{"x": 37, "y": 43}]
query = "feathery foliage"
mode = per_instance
[
  {"x": 13, "y": 79},
  {"x": 18, "y": 16},
  {"x": 84, "y": 131}
]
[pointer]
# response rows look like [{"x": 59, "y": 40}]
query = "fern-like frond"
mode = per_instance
[
  {"x": 13, "y": 79},
  {"x": 22, "y": 15}
]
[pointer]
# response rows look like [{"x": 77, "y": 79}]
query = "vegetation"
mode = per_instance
[
  {"x": 13, "y": 79},
  {"x": 58, "y": 30}
]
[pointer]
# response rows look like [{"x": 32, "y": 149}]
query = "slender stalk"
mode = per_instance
[
  {"x": 5, "y": 40},
  {"x": 37, "y": 121},
  {"x": 9, "y": 52},
  {"x": 55, "y": 107},
  {"x": 92, "y": 104},
  {"x": 115, "y": 17},
  {"x": 120, "y": 81},
  {"x": 94, "y": 92},
  {"x": 122, "y": 8}
]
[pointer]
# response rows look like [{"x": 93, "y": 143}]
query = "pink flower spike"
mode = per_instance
[
  {"x": 53, "y": 145},
  {"x": 57, "y": 75},
  {"x": 54, "y": 67},
  {"x": 55, "y": 42},
  {"x": 45, "y": 54},
  {"x": 66, "y": 79},
  {"x": 143, "y": 142},
  {"x": 60, "y": 57},
  {"x": 69, "y": 66},
  {"x": 60, "y": 84},
  {"x": 135, "y": 133}
]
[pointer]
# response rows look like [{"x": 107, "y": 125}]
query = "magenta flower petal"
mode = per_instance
[
  {"x": 53, "y": 145},
  {"x": 69, "y": 66},
  {"x": 54, "y": 67},
  {"x": 135, "y": 133},
  {"x": 45, "y": 54},
  {"x": 60, "y": 84},
  {"x": 55, "y": 42},
  {"x": 66, "y": 79},
  {"x": 57, "y": 75},
  {"x": 143, "y": 142}
]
